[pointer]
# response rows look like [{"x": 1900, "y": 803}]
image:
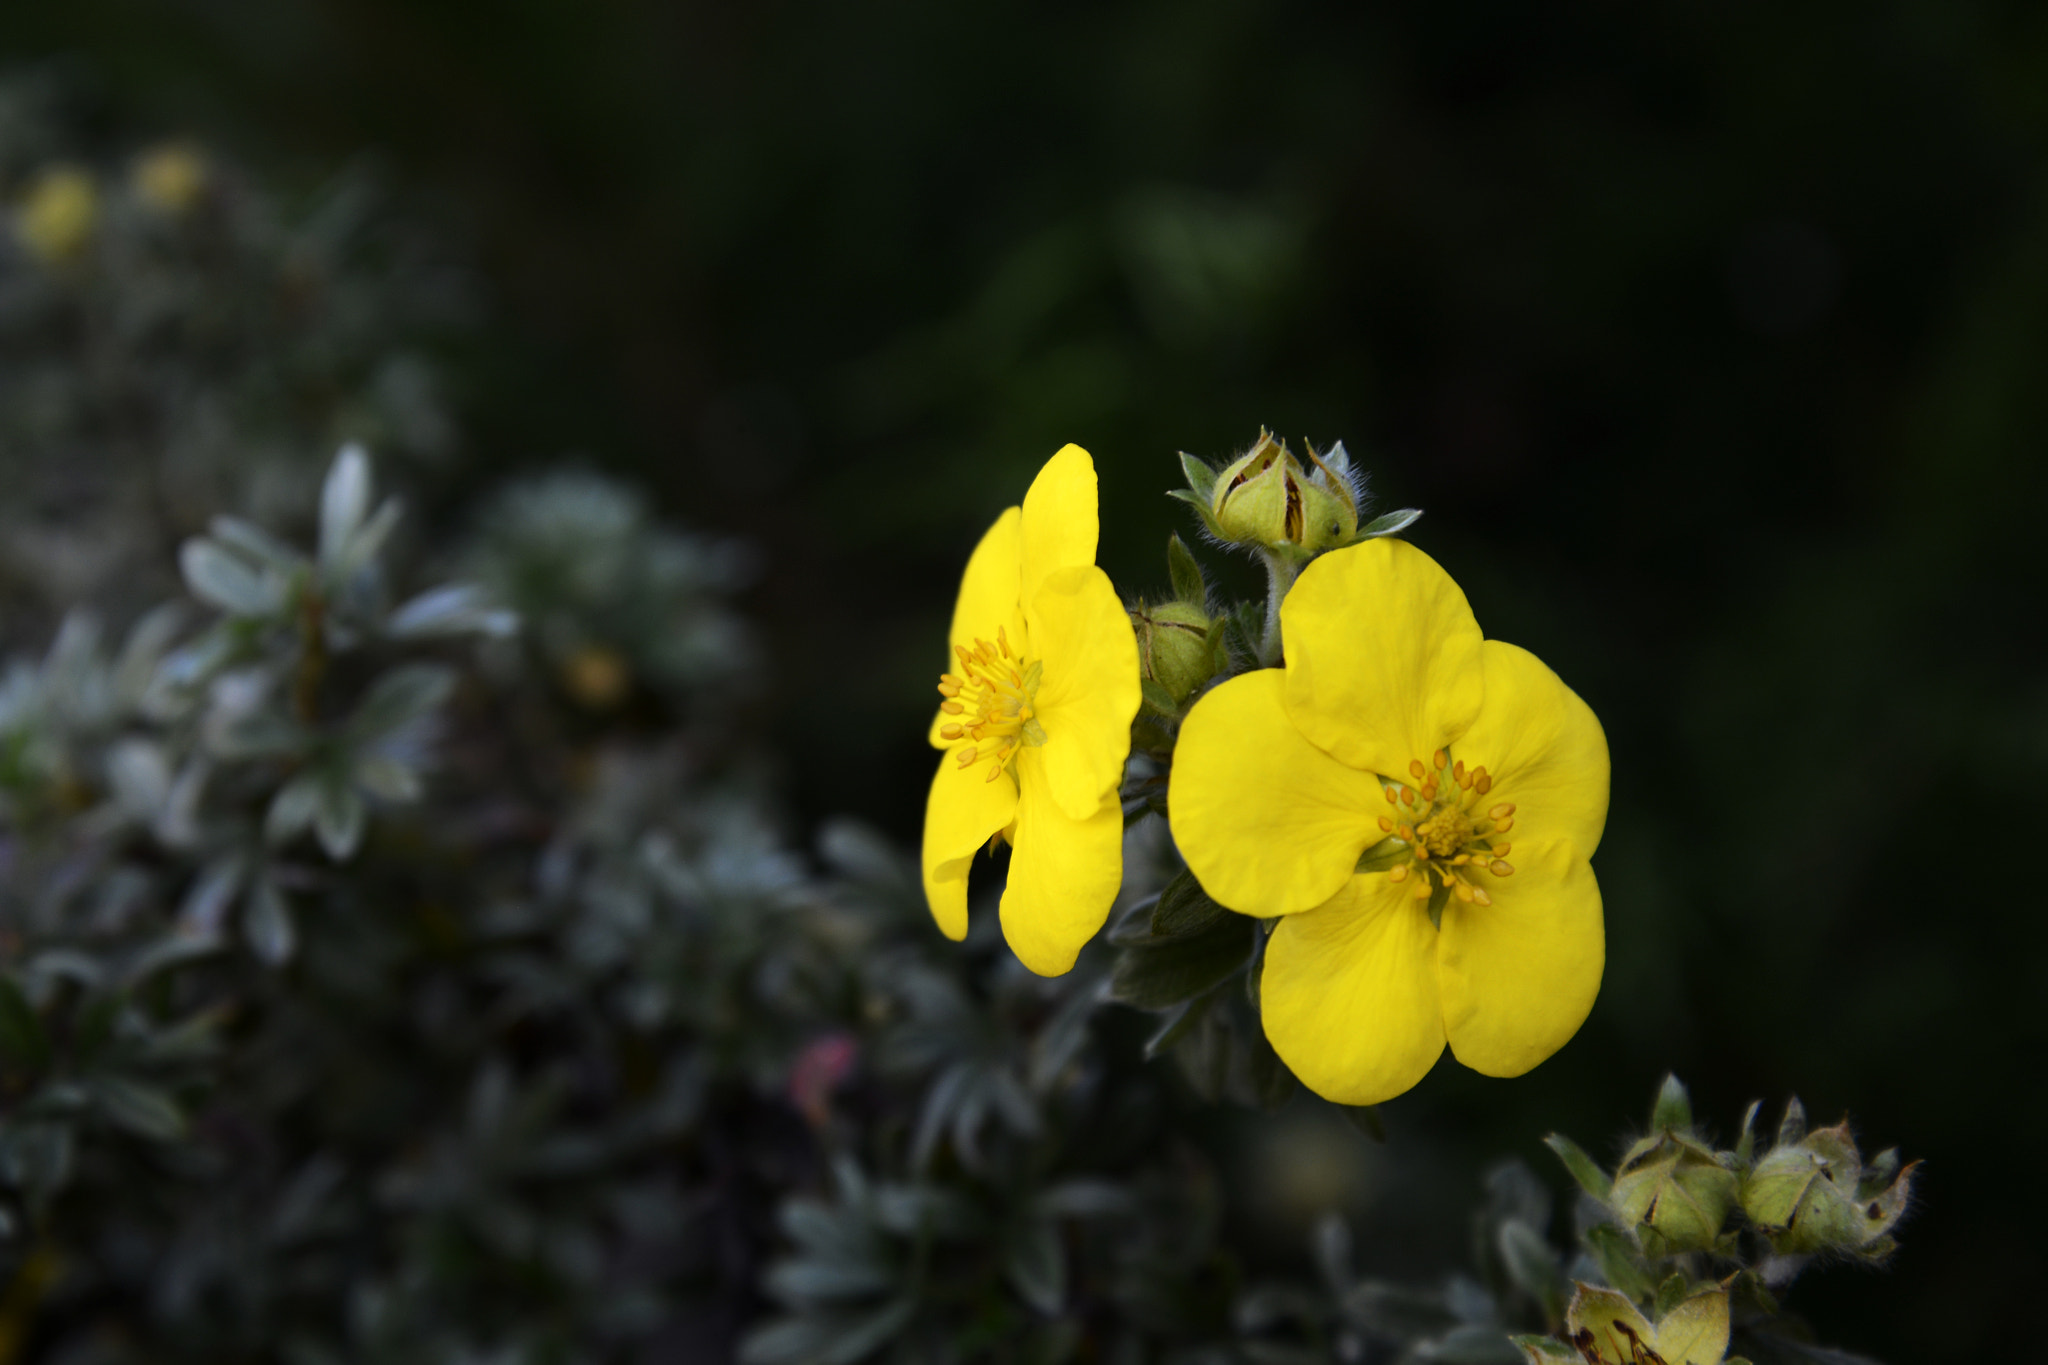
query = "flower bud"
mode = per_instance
[
  {"x": 1180, "y": 646},
  {"x": 1816, "y": 1195},
  {"x": 59, "y": 214},
  {"x": 1675, "y": 1192},
  {"x": 170, "y": 178},
  {"x": 1266, "y": 498}
]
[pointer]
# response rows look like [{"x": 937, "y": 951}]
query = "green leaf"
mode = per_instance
[
  {"x": 1188, "y": 583},
  {"x": 1584, "y": 1169},
  {"x": 1793, "y": 1126},
  {"x": 1201, "y": 477},
  {"x": 1439, "y": 898},
  {"x": 141, "y": 1109},
  {"x": 226, "y": 581},
  {"x": 1672, "y": 1113},
  {"x": 267, "y": 923},
  {"x": 1366, "y": 1119},
  {"x": 1533, "y": 1266},
  {"x": 1745, "y": 1145},
  {"x": 1390, "y": 524},
  {"x": 1201, "y": 506},
  {"x": 22, "y": 1040},
  {"x": 1671, "y": 1293},
  {"x": 1157, "y": 975},
  {"x": 1178, "y": 1025},
  {"x": 1183, "y": 907},
  {"x": 1388, "y": 853},
  {"x": 1035, "y": 1263},
  {"x": 1620, "y": 1263}
]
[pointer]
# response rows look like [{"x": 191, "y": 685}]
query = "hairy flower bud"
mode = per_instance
[
  {"x": 1267, "y": 498},
  {"x": 1815, "y": 1194},
  {"x": 1675, "y": 1192},
  {"x": 1180, "y": 646}
]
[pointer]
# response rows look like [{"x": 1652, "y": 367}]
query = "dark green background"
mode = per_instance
[{"x": 1713, "y": 338}]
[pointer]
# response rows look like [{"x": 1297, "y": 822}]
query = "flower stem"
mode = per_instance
[{"x": 1280, "y": 575}]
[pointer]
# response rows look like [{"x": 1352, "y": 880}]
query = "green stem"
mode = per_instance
[{"x": 1280, "y": 575}]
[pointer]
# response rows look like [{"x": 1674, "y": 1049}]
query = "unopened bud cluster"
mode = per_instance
[
  {"x": 1180, "y": 641},
  {"x": 1812, "y": 1191}
]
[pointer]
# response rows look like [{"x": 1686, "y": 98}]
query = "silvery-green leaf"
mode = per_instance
[
  {"x": 267, "y": 923},
  {"x": 1390, "y": 523},
  {"x": 399, "y": 697},
  {"x": 291, "y": 810},
  {"x": 1201, "y": 476},
  {"x": 255, "y": 542},
  {"x": 804, "y": 1281},
  {"x": 226, "y": 581},
  {"x": 37, "y": 1157},
  {"x": 344, "y": 499},
  {"x": 387, "y": 778},
  {"x": 22, "y": 1040},
  {"x": 140, "y": 776},
  {"x": 171, "y": 950},
  {"x": 1036, "y": 1264},
  {"x": 144, "y": 649},
  {"x": 259, "y": 734},
  {"x": 364, "y": 545},
  {"x": 338, "y": 818},
  {"x": 1084, "y": 1198},
  {"x": 455, "y": 609},
  {"x": 142, "y": 1109}
]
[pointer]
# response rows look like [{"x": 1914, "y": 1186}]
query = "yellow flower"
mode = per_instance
[
  {"x": 59, "y": 214},
  {"x": 1036, "y": 723},
  {"x": 1372, "y": 793},
  {"x": 170, "y": 178}
]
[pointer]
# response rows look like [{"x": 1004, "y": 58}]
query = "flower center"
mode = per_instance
[
  {"x": 992, "y": 695},
  {"x": 1442, "y": 832}
]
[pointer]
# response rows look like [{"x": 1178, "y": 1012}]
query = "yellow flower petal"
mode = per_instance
[
  {"x": 1089, "y": 690},
  {"x": 962, "y": 810},
  {"x": 1382, "y": 656},
  {"x": 1064, "y": 874},
  {"x": 1349, "y": 993},
  {"x": 1543, "y": 748},
  {"x": 1269, "y": 823},
  {"x": 988, "y": 598},
  {"x": 1059, "y": 518},
  {"x": 1519, "y": 976}
]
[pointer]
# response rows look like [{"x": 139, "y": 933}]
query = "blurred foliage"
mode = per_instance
[{"x": 1709, "y": 336}]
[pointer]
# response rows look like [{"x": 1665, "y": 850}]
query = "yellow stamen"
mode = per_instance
[
  {"x": 952, "y": 708},
  {"x": 1500, "y": 868},
  {"x": 1440, "y": 758},
  {"x": 950, "y": 732},
  {"x": 1501, "y": 850},
  {"x": 1479, "y": 896},
  {"x": 1503, "y": 826},
  {"x": 1502, "y": 811},
  {"x": 1422, "y": 890},
  {"x": 1415, "y": 768},
  {"x": 1399, "y": 874},
  {"x": 965, "y": 757},
  {"x": 1386, "y": 825}
]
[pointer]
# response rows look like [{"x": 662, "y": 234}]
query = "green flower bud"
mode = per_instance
[
  {"x": 1815, "y": 1194},
  {"x": 1675, "y": 1192},
  {"x": 1266, "y": 498},
  {"x": 1180, "y": 646}
]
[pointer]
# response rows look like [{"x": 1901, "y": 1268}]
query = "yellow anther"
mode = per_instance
[
  {"x": 1422, "y": 890},
  {"x": 1501, "y": 868},
  {"x": 1386, "y": 825},
  {"x": 1399, "y": 874},
  {"x": 1482, "y": 783},
  {"x": 949, "y": 688},
  {"x": 1440, "y": 758},
  {"x": 995, "y": 771},
  {"x": 1503, "y": 826},
  {"x": 1415, "y": 768},
  {"x": 1429, "y": 790},
  {"x": 1003, "y": 642},
  {"x": 952, "y": 708},
  {"x": 1422, "y": 852},
  {"x": 1458, "y": 772},
  {"x": 1464, "y": 892},
  {"x": 1407, "y": 796},
  {"x": 1407, "y": 833},
  {"x": 1501, "y": 850},
  {"x": 950, "y": 732},
  {"x": 966, "y": 756},
  {"x": 1502, "y": 811},
  {"x": 1479, "y": 896}
]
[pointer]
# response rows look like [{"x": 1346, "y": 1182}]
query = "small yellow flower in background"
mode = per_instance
[
  {"x": 1035, "y": 721},
  {"x": 1419, "y": 803},
  {"x": 58, "y": 214},
  {"x": 170, "y": 178}
]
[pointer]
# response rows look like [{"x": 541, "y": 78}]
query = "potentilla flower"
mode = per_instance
[
  {"x": 1418, "y": 804},
  {"x": 1036, "y": 724}
]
